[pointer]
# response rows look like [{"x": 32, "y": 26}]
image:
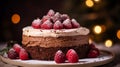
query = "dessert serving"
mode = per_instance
[
  {"x": 54, "y": 37},
  {"x": 55, "y": 32}
]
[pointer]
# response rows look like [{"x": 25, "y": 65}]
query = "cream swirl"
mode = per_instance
[{"x": 30, "y": 31}]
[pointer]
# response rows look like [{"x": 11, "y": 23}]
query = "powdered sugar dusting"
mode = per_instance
[
  {"x": 67, "y": 21},
  {"x": 58, "y": 25},
  {"x": 37, "y": 20},
  {"x": 67, "y": 24},
  {"x": 47, "y": 25},
  {"x": 51, "y": 12}
]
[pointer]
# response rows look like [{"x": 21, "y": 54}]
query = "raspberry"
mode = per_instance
[
  {"x": 45, "y": 18},
  {"x": 68, "y": 52},
  {"x": 17, "y": 48},
  {"x": 23, "y": 55},
  {"x": 59, "y": 57},
  {"x": 72, "y": 56},
  {"x": 58, "y": 25},
  {"x": 12, "y": 54},
  {"x": 36, "y": 23},
  {"x": 96, "y": 50},
  {"x": 75, "y": 24},
  {"x": 47, "y": 25},
  {"x": 93, "y": 53},
  {"x": 92, "y": 46},
  {"x": 67, "y": 24},
  {"x": 50, "y": 12},
  {"x": 64, "y": 17},
  {"x": 56, "y": 17}
]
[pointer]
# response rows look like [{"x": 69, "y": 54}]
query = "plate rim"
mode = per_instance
[{"x": 7, "y": 60}]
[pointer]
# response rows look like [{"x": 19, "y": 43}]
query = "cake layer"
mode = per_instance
[
  {"x": 63, "y": 41},
  {"x": 30, "y": 31},
  {"x": 41, "y": 53}
]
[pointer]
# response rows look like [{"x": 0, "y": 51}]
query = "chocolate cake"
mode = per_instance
[{"x": 52, "y": 33}]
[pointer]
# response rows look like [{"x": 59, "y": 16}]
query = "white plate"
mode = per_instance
[{"x": 105, "y": 57}]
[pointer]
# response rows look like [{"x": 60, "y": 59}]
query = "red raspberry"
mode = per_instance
[
  {"x": 58, "y": 25},
  {"x": 56, "y": 17},
  {"x": 97, "y": 50},
  {"x": 93, "y": 53},
  {"x": 72, "y": 56},
  {"x": 75, "y": 24},
  {"x": 47, "y": 25},
  {"x": 64, "y": 17},
  {"x": 50, "y": 12},
  {"x": 45, "y": 18},
  {"x": 92, "y": 46},
  {"x": 67, "y": 24},
  {"x": 68, "y": 52},
  {"x": 36, "y": 23},
  {"x": 12, "y": 54},
  {"x": 17, "y": 48},
  {"x": 59, "y": 57},
  {"x": 23, "y": 55}
]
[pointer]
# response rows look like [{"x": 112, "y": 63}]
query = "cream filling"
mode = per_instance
[{"x": 30, "y": 31}]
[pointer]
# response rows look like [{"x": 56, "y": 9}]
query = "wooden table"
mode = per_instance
[{"x": 115, "y": 49}]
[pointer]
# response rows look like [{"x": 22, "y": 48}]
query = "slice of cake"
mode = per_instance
[{"x": 55, "y": 32}]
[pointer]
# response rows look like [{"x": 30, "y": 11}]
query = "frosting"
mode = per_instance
[{"x": 30, "y": 31}]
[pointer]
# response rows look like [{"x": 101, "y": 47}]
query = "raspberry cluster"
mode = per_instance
[
  {"x": 72, "y": 55},
  {"x": 55, "y": 20},
  {"x": 18, "y": 52}
]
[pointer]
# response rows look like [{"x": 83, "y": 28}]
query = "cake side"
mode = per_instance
[
  {"x": 63, "y": 41},
  {"x": 44, "y": 47}
]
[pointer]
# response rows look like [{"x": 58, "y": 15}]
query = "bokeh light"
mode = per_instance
[
  {"x": 15, "y": 18},
  {"x": 89, "y": 3},
  {"x": 118, "y": 34},
  {"x": 90, "y": 41},
  {"x": 108, "y": 43},
  {"x": 96, "y": 0},
  {"x": 97, "y": 29}
]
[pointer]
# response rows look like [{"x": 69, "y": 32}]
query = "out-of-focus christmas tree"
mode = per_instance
[{"x": 100, "y": 16}]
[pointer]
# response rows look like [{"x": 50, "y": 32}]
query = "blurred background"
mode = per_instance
[{"x": 100, "y": 16}]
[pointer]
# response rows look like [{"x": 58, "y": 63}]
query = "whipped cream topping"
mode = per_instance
[{"x": 30, "y": 31}]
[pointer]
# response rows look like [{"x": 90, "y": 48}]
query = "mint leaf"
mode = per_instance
[{"x": 9, "y": 46}]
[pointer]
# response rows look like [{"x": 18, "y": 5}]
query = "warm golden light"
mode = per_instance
[
  {"x": 90, "y": 41},
  {"x": 118, "y": 34},
  {"x": 97, "y": 29},
  {"x": 89, "y": 3},
  {"x": 96, "y": 0},
  {"x": 108, "y": 43},
  {"x": 15, "y": 18}
]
